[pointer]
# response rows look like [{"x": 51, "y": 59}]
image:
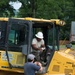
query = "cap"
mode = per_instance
[
  {"x": 39, "y": 35},
  {"x": 31, "y": 56}
]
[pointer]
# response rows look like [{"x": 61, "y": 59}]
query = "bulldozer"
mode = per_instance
[{"x": 16, "y": 36}]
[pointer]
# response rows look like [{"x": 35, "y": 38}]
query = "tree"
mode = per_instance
[
  {"x": 5, "y": 9},
  {"x": 47, "y": 9},
  {"x": 51, "y": 9}
]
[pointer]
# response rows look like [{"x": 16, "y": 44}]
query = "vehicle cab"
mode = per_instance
[{"x": 16, "y": 37}]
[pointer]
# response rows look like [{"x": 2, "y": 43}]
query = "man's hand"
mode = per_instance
[
  {"x": 43, "y": 48},
  {"x": 39, "y": 64}
]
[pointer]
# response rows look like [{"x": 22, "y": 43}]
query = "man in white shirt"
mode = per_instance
[{"x": 38, "y": 44}]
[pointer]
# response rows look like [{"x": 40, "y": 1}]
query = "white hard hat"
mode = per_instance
[{"x": 39, "y": 35}]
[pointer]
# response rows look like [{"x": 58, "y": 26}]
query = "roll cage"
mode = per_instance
[{"x": 16, "y": 35}]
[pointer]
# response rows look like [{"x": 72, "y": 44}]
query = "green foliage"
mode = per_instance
[
  {"x": 3, "y": 2},
  {"x": 51, "y": 9},
  {"x": 47, "y": 9},
  {"x": 5, "y": 9}
]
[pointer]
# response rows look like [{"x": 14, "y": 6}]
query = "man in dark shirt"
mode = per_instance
[{"x": 30, "y": 68}]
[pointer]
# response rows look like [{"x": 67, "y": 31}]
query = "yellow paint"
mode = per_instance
[
  {"x": 57, "y": 21},
  {"x": 13, "y": 60}
]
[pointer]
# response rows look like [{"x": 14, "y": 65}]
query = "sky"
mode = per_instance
[{"x": 16, "y": 4}]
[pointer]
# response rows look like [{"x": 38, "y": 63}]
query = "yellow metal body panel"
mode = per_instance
[
  {"x": 14, "y": 60},
  {"x": 57, "y": 21},
  {"x": 62, "y": 63}
]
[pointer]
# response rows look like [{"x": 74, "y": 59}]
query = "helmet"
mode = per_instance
[{"x": 39, "y": 35}]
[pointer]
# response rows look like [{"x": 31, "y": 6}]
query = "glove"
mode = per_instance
[{"x": 43, "y": 48}]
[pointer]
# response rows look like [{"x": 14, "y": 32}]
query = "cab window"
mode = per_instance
[
  {"x": 3, "y": 27},
  {"x": 17, "y": 35}
]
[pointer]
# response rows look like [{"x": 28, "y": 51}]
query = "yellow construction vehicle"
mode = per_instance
[{"x": 15, "y": 44}]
